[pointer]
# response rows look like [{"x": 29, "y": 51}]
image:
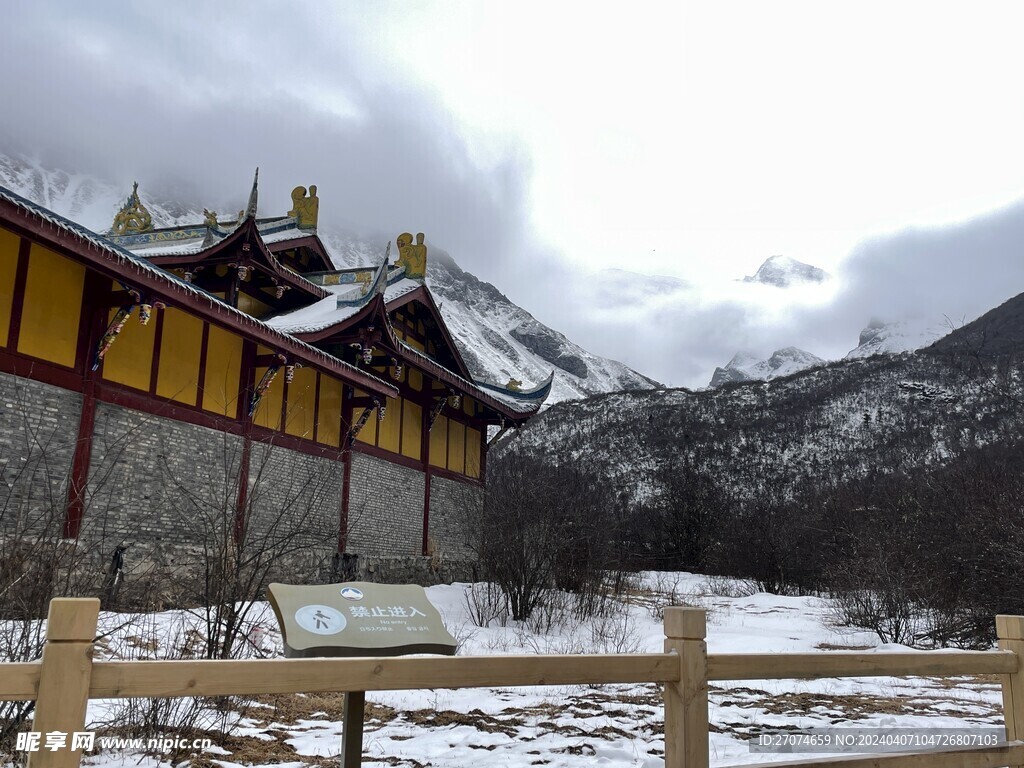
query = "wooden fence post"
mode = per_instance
[
  {"x": 1010, "y": 631},
  {"x": 686, "y": 701},
  {"x": 64, "y": 678}
]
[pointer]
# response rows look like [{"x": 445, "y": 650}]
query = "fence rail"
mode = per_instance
[{"x": 66, "y": 678}]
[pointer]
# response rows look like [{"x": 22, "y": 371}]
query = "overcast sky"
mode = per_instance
[{"x": 540, "y": 142}]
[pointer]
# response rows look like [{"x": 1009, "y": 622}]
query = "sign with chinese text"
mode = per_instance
[{"x": 358, "y": 619}]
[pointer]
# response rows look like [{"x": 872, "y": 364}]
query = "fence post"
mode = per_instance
[
  {"x": 64, "y": 678},
  {"x": 1010, "y": 631},
  {"x": 686, "y": 701}
]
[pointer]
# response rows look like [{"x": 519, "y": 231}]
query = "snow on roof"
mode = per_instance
[
  {"x": 181, "y": 248},
  {"x": 528, "y": 402},
  {"x": 400, "y": 288},
  {"x": 313, "y": 318},
  {"x": 285, "y": 234},
  {"x": 123, "y": 256}
]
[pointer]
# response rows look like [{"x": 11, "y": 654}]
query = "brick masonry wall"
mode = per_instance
[
  {"x": 295, "y": 509},
  {"x": 157, "y": 483},
  {"x": 38, "y": 430},
  {"x": 168, "y": 490},
  {"x": 453, "y": 507},
  {"x": 385, "y": 511}
]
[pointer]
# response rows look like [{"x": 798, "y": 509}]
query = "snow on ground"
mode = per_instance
[{"x": 618, "y": 725}]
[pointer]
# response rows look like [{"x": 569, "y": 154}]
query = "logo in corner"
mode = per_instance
[{"x": 351, "y": 593}]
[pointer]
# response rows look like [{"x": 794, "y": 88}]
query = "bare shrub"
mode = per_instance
[
  {"x": 725, "y": 586},
  {"x": 547, "y": 529},
  {"x": 486, "y": 603}
]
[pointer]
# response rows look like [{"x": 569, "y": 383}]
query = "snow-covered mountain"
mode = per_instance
[
  {"x": 782, "y": 272},
  {"x": 615, "y": 288},
  {"x": 880, "y": 338},
  {"x": 85, "y": 199},
  {"x": 498, "y": 339},
  {"x": 747, "y": 367}
]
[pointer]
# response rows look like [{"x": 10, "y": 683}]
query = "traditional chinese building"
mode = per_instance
[{"x": 227, "y": 366}]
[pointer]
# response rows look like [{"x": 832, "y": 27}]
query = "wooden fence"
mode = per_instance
[{"x": 67, "y": 677}]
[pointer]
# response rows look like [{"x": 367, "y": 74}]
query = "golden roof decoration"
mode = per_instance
[
  {"x": 133, "y": 217},
  {"x": 412, "y": 257},
  {"x": 306, "y": 210}
]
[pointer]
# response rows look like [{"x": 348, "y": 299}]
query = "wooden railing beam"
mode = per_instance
[
  {"x": 810, "y": 666},
  {"x": 169, "y": 679}
]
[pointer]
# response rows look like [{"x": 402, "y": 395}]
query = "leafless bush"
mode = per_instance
[
  {"x": 725, "y": 586},
  {"x": 547, "y": 530},
  {"x": 486, "y": 603},
  {"x": 615, "y": 632}
]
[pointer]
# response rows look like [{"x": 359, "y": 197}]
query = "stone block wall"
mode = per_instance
[
  {"x": 158, "y": 483},
  {"x": 38, "y": 430},
  {"x": 385, "y": 509},
  {"x": 295, "y": 509},
  {"x": 168, "y": 490},
  {"x": 454, "y": 507}
]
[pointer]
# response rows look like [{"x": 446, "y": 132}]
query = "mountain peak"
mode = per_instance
[
  {"x": 747, "y": 367},
  {"x": 889, "y": 338},
  {"x": 783, "y": 271}
]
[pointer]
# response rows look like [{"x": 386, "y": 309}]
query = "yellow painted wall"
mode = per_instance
[
  {"x": 53, "y": 304},
  {"x": 473, "y": 439},
  {"x": 268, "y": 413},
  {"x": 389, "y": 429},
  {"x": 181, "y": 344},
  {"x": 467, "y": 405},
  {"x": 415, "y": 379},
  {"x": 456, "y": 446},
  {"x": 252, "y": 306},
  {"x": 413, "y": 343},
  {"x": 223, "y": 370},
  {"x": 412, "y": 426},
  {"x": 439, "y": 442},
  {"x": 130, "y": 360},
  {"x": 328, "y": 429},
  {"x": 9, "y": 244},
  {"x": 301, "y": 406}
]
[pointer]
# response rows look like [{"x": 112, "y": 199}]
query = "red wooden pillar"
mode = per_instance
[
  {"x": 246, "y": 385},
  {"x": 92, "y": 324},
  {"x": 346, "y": 457}
]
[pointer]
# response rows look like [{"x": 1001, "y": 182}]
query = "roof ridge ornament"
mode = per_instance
[
  {"x": 306, "y": 210},
  {"x": 381, "y": 279},
  {"x": 133, "y": 218},
  {"x": 250, "y": 210},
  {"x": 412, "y": 257}
]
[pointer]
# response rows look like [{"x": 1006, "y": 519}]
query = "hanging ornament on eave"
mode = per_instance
[
  {"x": 111, "y": 334},
  {"x": 264, "y": 385}
]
